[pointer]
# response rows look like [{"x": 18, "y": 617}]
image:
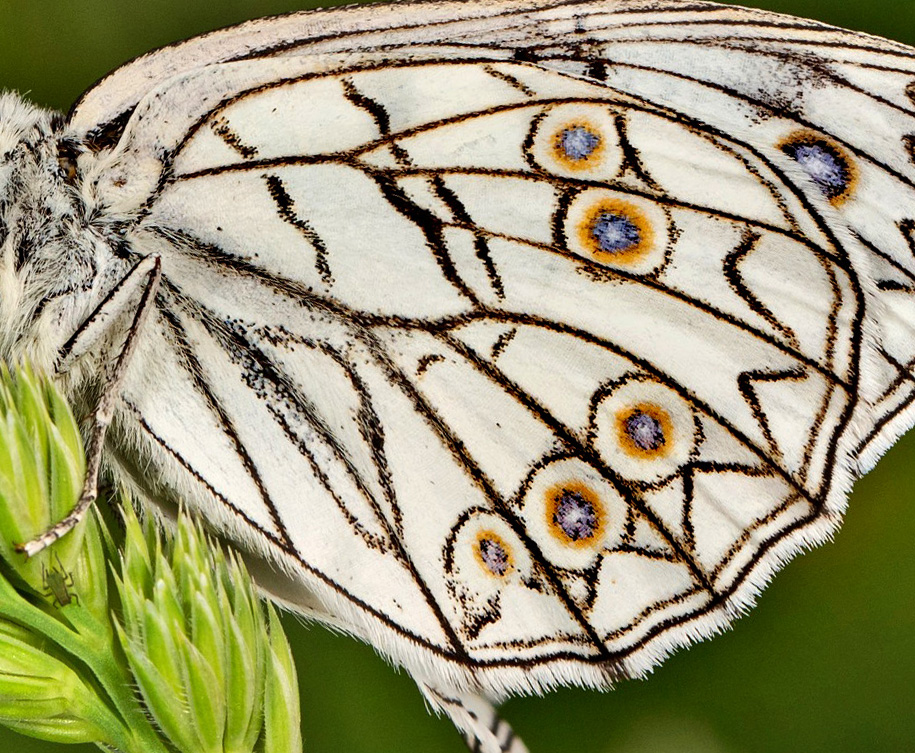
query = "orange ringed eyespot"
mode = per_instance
[
  {"x": 645, "y": 431},
  {"x": 575, "y": 514},
  {"x": 616, "y": 232},
  {"x": 826, "y": 163},
  {"x": 493, "y": 554}
]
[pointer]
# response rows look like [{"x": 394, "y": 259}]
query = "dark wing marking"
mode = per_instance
[
  {"x": 222, "y": 129},
  {"x": 735, "y": 278},
  {"x": 287, "y": 210}
]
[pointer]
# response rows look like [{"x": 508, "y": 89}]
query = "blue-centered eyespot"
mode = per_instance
[
  {"x": 643, "y": 429},
  {"x": 618, "y": 230},
  {"x": 493, "y": 553},
  {"x": 827, "y": 164},
  {"x": 572, "y": 513},
  {"x": 577, "y": 140}
]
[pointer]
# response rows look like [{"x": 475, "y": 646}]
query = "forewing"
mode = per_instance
[{"x": 748, "y": 72}]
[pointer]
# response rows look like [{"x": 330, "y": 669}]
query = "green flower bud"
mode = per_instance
[
  {"x": 40, "y": 695},
  {"x": 195, "y": 640},
  {"x": 282, "y": 731},
  {"x": 42, "y": 466},
  {"x": 200, "y": 647}
]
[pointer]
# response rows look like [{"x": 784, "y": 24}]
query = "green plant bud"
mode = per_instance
[
  {"x": 246, "y": 670},
  {"x": 41, "y": 695},
  {"x": 42, "y": 466},
  {"x": 199, "y": 645},
  {"x": 193, "y": 637},
  {"x": 282, "y": 731},
  {"x": 170, "y": 711}
]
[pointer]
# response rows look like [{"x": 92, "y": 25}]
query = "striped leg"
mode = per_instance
[
  {"x": 483, "y": 729},
  {"x": 134, "y": 298}
]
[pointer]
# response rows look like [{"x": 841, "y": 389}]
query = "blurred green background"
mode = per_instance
[{"x": 824, "y": 664}]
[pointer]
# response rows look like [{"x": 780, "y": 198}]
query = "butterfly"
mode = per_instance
[{"x": 598, "y": 145}]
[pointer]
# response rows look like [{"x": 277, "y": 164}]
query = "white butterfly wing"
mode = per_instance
[
  {"x": 734, "y": 68},
  {"x": 390, "y": 357}
]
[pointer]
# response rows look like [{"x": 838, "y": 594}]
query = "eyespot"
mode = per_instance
[
  {"x": 484, "y": 554},
  {"x": 577, "y": 141},
  {"x": 643, "y": 429},
  {"x": 572, "y": 513},
  {"x": 493, "y": 553},
  {"x": 826, "y": 163},
  {"x": 617, "y": 230}
]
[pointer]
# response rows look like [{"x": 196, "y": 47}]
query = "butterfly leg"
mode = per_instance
[
  {"x": 483, "y": 729},
  {"x": 143, "y": 279}
]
